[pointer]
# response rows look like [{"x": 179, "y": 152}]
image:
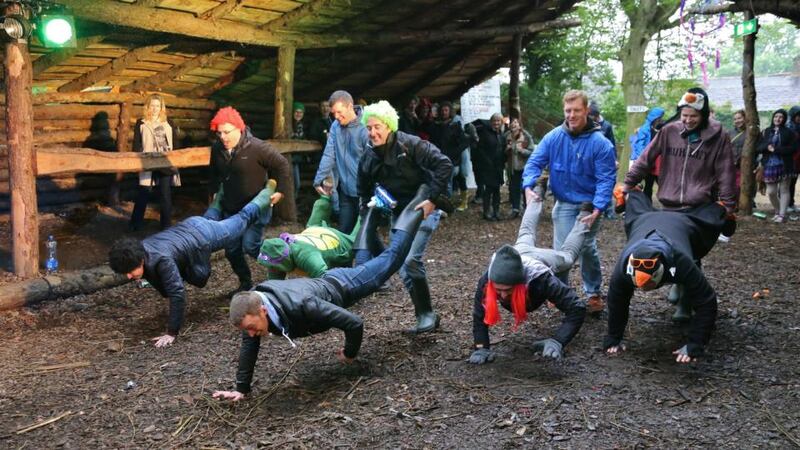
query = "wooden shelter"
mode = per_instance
[{"x": 256, "y": 55}]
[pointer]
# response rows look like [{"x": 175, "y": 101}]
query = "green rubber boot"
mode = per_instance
[{"x": 262, "y": 199}]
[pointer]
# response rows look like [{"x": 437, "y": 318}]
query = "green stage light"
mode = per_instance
[{"x": 57, "y": 30}]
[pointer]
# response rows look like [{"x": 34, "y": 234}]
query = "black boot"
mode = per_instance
[
  {"x": 362, "y": 249},
  {"x": 487, "y": 214},
  {"x": 683, "y": 310},
  {"x": 409, "y": 219},
  {"x": 427, "y": 320}
]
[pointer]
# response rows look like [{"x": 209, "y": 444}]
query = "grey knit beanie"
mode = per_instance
[{"x": 506, "y": 266}]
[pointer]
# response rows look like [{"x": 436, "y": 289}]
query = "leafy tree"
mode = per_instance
[{"x": 777, "y": 46}]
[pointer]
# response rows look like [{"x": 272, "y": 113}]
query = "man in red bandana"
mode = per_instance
[{"x": 520, "y": 279}]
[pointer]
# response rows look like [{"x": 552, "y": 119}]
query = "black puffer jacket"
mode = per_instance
[
  {"x": 177, "y": 254},
  {"x": 401, "y": 165},
  {"x": 306, "y": 306}
]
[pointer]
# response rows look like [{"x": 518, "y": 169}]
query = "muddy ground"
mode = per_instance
[{"x": 86, "y": 364}]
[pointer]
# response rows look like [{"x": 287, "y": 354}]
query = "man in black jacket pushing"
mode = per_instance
[
  {"x": 183, "y": 253},
  {"x": 665, "y": 247},
  {"x": 304, "y": 306}
]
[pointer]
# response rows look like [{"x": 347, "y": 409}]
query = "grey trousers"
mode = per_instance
[{"x": 560, "y": 260}]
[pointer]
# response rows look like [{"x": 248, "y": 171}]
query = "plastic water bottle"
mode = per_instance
[{"x": 51, "y": 265}]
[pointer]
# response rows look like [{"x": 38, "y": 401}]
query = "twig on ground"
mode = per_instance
[
  {"x": 631, "y": 430},
  {"x": 349, "y": 394},
  {"x": 263, "y": 397},
  {"x": 41, "y": 424},
  {"x": 73, "y": 365},
  {"x": 781, "y": 428}
]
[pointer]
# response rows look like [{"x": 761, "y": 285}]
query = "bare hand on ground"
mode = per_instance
[
  {"x": 164, "y": 341},
  {"x": 344, "y": 359},
  {"x": 234, "y": 396}
]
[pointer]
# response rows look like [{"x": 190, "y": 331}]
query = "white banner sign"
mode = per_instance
[
  {"x": 637, "y": 108},
  {"x": 481, "y": 101}
]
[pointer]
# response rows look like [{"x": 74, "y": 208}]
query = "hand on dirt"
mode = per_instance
[
  {"x": 614, "y": 349},
  {"x": 481, "y": 356},
  {"x": 344, "y": 359},
  {"x": 275, "y": 198},
  {"x": 164, "y": 341},
  {"x": 550, "y": 348},
  {"x": 683, "y": 355},
  {"x": 427, "y": 208},
  {"x": 233, "y": 396}
]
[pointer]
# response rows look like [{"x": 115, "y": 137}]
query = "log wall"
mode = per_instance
[{"x": 92, "y": 121}]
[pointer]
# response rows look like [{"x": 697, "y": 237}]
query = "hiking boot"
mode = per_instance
[
  {"x": 514, "y": 213},
  {"x": 595, "y": 304},
  {"x": 243, "y": 286}
]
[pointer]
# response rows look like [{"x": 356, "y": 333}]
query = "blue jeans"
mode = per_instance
[
  {"x": 222, "y": 233},
  {"x": 248, "y": 243},
  {"x": 348, "y": 212},
  {"x": 364, "y": 279},
  {"x": 413, "y": 267},
  {"x": 564, "y": 215}
]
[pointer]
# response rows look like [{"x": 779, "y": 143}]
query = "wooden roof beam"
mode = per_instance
[
  {"x": 185, "y": 24},
  {"x": 251, "y": 68},
  {"x": 153, "y": 82},
  {"x": 429, "y": 77},
  {"x": 210, "y": 88},
  {"x": 286, "y": 20},
  {"x": 176, "y": 22},
  {"x": 58, "y": 56},
  {"x": 221, "y": 10},
  {"x": 109, "y": 69}
]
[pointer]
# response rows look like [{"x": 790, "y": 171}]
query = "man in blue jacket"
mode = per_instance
[
  {"x": 582, "y": 169},
  {"x": 347, "y": 140}
]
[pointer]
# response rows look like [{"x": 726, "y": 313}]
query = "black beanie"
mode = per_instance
[{"x": 506, "y": 266}]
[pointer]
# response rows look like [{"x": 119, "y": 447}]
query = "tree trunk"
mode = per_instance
[
  {"x": 647, "y": 17},
  {"x": 67, "y": 284},
  {"x": 282, "y": 125},
  {"x": 632, "y": 88},
  {"x": 21, "y": 156},
  {"x": 751, "y": 112}
]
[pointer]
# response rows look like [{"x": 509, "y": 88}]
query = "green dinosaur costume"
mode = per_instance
[{"x": 311, "y": 252}]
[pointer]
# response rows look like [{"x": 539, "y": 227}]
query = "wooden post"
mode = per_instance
[
  {"x": 21, "y": 156},
  {"x": 282, "y": 124},
  {"x": 513, "y": 85},
  {"x": 751, "y": 111},
  {"x": 123, "y": 131}
]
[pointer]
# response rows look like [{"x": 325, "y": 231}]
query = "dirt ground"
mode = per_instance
[{"x": 85, "y": 371}]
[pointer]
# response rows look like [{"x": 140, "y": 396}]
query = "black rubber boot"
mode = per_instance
[
  {"x": 427, "y": 320},
  {"x": 675, "y": 293},
  {"x": 408, "y": 220},
  {"x": 362, "y": 250},
  {"x": 683, "y": 310}
]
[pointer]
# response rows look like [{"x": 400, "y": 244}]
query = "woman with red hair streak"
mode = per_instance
[{"x": 521, "y": 279}]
